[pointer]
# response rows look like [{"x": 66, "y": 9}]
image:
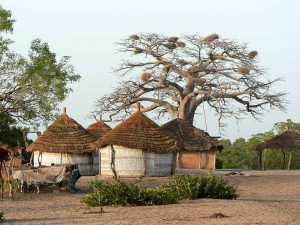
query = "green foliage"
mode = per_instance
[
  {"x": 202, "y": 186},
  {"x": 183, "y": 187},
  {"x": 127, "y": 195},
  {"x": 12, "y": 135},
  {"x": 279, "y": 127},
  {"x": 6, "y": 22},
  {"x": 36, "y": 84},
  {"x": 1, "y": 216}
]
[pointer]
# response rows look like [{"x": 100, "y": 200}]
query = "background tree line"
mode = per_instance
[{"x": 241, "y": 153}]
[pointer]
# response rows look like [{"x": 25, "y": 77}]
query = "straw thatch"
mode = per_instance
[
  {"x": 99, "y": 128},
  {"x": 288, "y": 140},
  {"x": 139, "y": 132},
  {"x": 64, "y": 135},
  {"x": 194, "y": 139}
]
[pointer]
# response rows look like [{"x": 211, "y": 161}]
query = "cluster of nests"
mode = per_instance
[{"x": 173, "y": 43}]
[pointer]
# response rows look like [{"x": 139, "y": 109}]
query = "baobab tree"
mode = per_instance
[{"x": 176, "y": 75}]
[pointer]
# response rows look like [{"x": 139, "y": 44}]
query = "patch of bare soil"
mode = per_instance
[{"x": 267, "y": 197}]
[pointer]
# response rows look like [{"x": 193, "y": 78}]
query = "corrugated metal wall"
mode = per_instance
[
  {"x": 88, "y": 163},
  {"x": 197, "y": 160}
]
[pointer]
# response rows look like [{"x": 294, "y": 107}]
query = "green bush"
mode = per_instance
[
  {"x": 1, "y": 216},
  {"x": 182, "y": 187},
  {"x": 202, "y": 186}
]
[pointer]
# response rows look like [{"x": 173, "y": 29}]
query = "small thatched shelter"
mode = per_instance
[
  {"x": 199, "y": 148},
  {"x": 287, "y": 141},
  {"x": 98, "y": 129},
  {"x": 65, "y": 142},
  {"x": 137, "y": 147}
]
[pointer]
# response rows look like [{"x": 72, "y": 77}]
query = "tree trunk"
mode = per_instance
[
  {"x": 283, "y": 159},
  {"x": 290, "y": 159},
  {"x": 264, "y": 164}
]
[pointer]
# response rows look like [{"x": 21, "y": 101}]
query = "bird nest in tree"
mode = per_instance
[
  {"x": 170, "y": 45},
  {"x": 137, "y": 50},
  {"x": 252, "y": 54},
  {"x": 134, "y": 37},
  {"x": 180, "y": 44},
  {"x": 243, "y": 70},
  {"x": 146, "y": 76},
  {"x": 173, "y": 39},
  {"x": 211, "y": 37},
  {"x": 162, "y": 81}
]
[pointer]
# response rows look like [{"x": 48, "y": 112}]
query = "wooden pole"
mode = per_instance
[
  {"x": 290, "y": 159},
  {"x": 2, "y": 182},
  {"x": 259, "y": 153}
]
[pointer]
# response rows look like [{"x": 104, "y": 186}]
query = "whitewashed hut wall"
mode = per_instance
[
  {"x": 158, "y": 164},
  {"x": 128, "y": 162},
  {"x": 87, "y": 165}
]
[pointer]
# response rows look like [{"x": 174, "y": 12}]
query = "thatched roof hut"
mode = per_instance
[
  {"x": 137, "y": 147},
  {"x": 289, "y": 140},
  {"x": 64, "y": 135},
  {"x": 140, "y": 132},
  {"x": 199, "y": 150},
  {"x": 193, "y": 138},
  {"x": 65, "y": 141},
  {"x": 99, "y": 128}
]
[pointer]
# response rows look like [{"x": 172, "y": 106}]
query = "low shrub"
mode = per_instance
[
  {"x": 1, "y": 216},
  {"x": 202, "y": 186},
  {"x": 182, "y": 187}
]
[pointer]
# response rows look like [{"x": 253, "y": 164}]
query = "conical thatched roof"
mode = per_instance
[
  {"x": 64, "y": 135},
  {"x": 288, "y": 140},
  {"x": 99, "y": 128},
  {"x": 4, "y": 151},
  {"x": 139, "y": 132},
  {"x": 194, "y": 139}
]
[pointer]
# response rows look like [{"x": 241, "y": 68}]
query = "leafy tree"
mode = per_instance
[
  {"x": 32, "y": 87},
  {"x": 279, "y": 127},
  {"x": 180, "y": 74}
]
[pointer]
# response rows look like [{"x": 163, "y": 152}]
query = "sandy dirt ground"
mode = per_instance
[{"x": 269, "y": 197}]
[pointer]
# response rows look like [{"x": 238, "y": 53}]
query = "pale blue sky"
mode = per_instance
[{"x": 87, "y": 31}]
